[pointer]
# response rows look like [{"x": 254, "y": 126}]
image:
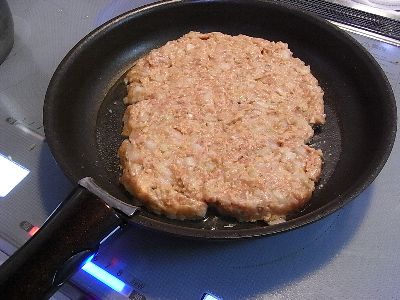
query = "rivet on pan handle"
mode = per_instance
[{"x": 91, "y": 185}]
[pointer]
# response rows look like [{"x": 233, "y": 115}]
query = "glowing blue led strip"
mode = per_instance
[
  {"x": 116, "y": 284},
  {"x": 103, "y": 276}
]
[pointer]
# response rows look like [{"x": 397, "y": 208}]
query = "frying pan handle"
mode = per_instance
[{"x": 69, "y": 237}]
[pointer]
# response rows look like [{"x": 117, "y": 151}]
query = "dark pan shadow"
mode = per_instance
[
  {"x": 174, "y": 268},
  {"x": 53, "y": 185}
]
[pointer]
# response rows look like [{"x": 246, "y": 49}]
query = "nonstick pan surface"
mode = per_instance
[{"x": 83, "y": 107}]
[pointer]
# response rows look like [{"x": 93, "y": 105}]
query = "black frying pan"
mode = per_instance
[{"x": 83, "y": 112}]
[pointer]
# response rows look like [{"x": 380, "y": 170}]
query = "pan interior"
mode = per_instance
[
  {"x": 83, "y": 108},
  {"x": 109, "y": 122}
]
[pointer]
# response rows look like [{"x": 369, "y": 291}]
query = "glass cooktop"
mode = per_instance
[{"x": 337, "y": 257}]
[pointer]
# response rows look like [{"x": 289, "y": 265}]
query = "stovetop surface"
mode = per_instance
[{"x": 351, "y": 254}]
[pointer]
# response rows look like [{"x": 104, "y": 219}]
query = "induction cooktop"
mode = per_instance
[{"x": 352, "y": 254}]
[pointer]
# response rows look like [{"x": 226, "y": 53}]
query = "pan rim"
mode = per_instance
[{"x": 144, "y": 221}]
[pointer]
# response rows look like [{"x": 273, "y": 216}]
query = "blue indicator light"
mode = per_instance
[{"x": 103, "y": 276}]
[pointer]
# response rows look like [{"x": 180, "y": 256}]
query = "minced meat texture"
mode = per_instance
[{"x": 222, "y": 121}]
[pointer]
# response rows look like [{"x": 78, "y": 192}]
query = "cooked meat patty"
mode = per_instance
[{"x": 222, "y": 121}]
